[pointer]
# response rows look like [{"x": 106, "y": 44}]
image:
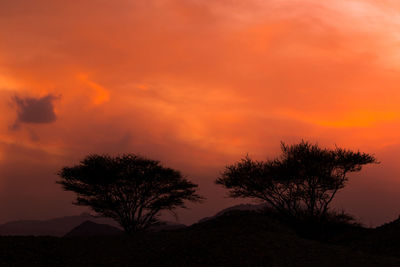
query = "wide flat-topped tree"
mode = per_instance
[
  {"x": 303, "y": 181},
  {"x": 131, "y": 189}
]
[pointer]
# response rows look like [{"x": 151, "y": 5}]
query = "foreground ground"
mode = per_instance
[{"x": 236, "y": 239}]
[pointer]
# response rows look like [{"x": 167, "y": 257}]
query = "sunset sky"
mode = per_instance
[{"x": 196, "y": 84}]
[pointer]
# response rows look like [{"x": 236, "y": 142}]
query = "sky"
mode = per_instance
[{"x": 196, "y": 84}]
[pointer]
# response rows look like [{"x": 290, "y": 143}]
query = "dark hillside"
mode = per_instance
[
  {"x": 384, "y": 240},
  {"x": 234, "y": 239}
]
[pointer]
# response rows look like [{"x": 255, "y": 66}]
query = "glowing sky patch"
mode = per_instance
[
  {"x": 197, "y": 84},
  {"x": 100, "y": 94}
]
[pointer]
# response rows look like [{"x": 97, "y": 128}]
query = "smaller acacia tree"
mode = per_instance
[
  {"x": 131, "y": 189},
  {"x": 303, "y": 181}
]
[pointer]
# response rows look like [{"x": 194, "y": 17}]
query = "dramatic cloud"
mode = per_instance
[
  {"x": 35, "y": 110},
  {"x": 197, "y": 84}
]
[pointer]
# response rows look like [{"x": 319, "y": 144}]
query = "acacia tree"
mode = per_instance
[
  {"x": 131, "y": 189},
  {"x": 302, "y": 181}
]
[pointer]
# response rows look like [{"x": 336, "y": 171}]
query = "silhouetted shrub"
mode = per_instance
[
  {"x": 301, "y": 183},
  {"x": 129, "y": 188}
]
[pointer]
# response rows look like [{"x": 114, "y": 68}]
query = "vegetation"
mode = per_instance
[
  {"x": 130, "y": 189},
  {"x": 303, "y": 181}
]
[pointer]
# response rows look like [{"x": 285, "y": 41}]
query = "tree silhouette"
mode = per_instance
[
  {"x": 131, "y": 189},
  {"x": 303, "y": 181}
]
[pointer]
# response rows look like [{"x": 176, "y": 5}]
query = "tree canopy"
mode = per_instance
[
  {"x": 131, "y": 189},
  {"x": 302, "y": 181}
]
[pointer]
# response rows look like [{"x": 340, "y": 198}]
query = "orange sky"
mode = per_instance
[{"x": 196, "y": 84}]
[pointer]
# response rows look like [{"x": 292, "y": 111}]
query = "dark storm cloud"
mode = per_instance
[{"x": 35, "y": 110}]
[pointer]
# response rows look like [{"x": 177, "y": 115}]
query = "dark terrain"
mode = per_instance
[{"x": 237, "y": 238}]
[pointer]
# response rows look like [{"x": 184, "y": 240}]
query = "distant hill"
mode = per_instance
[
  {"x": 166, "y": 226},
  {"x": 61, "y": 226},
  {"x": 89, "y": 228},
  {"x": 52, "y": 227},
  {"x": 242, "y": 207}
]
